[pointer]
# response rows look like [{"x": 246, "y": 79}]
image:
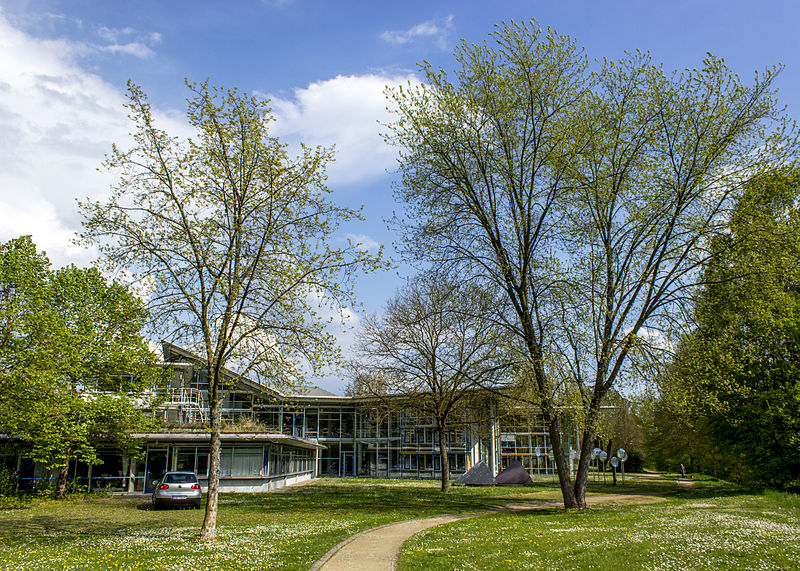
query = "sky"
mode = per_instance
[{"x": 323, "y": 64}]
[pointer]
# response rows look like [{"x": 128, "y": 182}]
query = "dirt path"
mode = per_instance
[{"x": 377, "y": 549}]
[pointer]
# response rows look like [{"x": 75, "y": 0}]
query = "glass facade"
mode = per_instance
[{"x": 271, "y": 436}]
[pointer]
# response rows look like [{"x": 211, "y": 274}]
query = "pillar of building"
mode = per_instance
[{"x": 494, "y": 435}]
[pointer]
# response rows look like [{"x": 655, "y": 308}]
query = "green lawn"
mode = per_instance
[
  {"x": 264, "y": 531},
  {"x": 705, "y": 528},
  {"x": 711, "y": 526}
]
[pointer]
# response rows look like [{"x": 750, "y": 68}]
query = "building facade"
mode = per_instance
[{"x": 272, "y": 439}]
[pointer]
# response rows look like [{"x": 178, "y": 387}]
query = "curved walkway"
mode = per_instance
[{"x": 377, "y": 549}]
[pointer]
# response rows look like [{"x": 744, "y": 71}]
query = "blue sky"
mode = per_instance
[{"x": 324, "y": 64}]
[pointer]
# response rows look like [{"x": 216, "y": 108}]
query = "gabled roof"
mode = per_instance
[
  {"x": 315, "y": 391},
  {"x": 171, "y": 351},
  {"x": 173, "y": 354}
]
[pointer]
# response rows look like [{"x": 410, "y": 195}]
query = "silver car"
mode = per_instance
[{"x": 178, "y": 489}]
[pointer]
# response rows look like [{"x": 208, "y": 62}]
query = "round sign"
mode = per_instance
[
  {"x": 620, "y": 453},
  {"x": 537, "y": 451},
  {"x": 603, "y": 456},
  {"x": 595, "y": 453},
  {"x": 614, "y": 461},
  {"x": 624, "y": 458}
]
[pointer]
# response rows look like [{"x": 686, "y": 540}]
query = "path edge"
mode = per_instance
[{"x": 333, "y": 550}]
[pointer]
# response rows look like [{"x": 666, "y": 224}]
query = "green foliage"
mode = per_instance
[
  {"x": 230, "y": 234},
  {"x": 586, "y": 197},
  {"x": 7, "y": 481},
  {"x": 72, "y": 354},
  {"x": 232, "y": 238},
  {"x": 736, "y": 381}
]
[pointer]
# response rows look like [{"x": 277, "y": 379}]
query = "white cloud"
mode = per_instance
[
  {"x": 58, "y": 121},
  {"x": 363, "y": 242},
  {"x": 438, "y": 30},
  {"x": 127, "y": 41},
  {"x": 135, "y": 49},
  {"x": 346, "y": 111}
]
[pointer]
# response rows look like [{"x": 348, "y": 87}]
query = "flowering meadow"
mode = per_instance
[
  {"x": 712, "y": 526},
  {"x": 284, "y": 530},
  {"x": 728, "y": 530}
]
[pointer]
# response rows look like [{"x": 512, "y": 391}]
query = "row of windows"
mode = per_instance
[{"x": 250, "y": 461}]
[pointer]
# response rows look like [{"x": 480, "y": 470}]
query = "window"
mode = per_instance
[
  {"x": 192, "y": 459},
  {"x": 241, "y": 462},
  {"x": 180, "y": 479}
]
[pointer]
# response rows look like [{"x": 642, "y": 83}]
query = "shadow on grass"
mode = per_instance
[
  {"x": 715, "y": 492},
  {"x": 384, "y": 498},
  {"x": 53, "y": 524}
]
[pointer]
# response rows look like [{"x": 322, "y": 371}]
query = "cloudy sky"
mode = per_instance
[{"x": 323, "y": 63}]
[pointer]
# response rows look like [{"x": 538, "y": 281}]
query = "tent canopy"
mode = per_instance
[
  {"x": 514, "y": 474},
  {"x": 478, "y": 475}
]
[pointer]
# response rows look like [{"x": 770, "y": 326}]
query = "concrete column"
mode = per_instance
[
  {"x": 493, "y": 436},
  {"x": 130, "y": 473},
  {"x": 19, "y": 468}
]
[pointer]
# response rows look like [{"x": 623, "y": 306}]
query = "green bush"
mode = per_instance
[{"x": 8, "y": 481}]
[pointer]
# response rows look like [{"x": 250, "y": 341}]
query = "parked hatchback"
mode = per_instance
[{"x": 178, "y": 489}]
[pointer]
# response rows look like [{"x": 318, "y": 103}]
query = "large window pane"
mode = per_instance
[{"x": 247, "y": 461}]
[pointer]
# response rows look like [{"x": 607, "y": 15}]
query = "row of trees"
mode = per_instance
[{"x": 73, "y": 360}]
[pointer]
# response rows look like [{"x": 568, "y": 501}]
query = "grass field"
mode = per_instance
[
  {"x": 711, "y": 526},
  {"x": 708, "y": 527},
  {"x": 263, "y": 531}
]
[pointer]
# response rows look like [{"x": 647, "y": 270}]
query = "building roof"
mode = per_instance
[
  {"x": 203, "y": 436},
  {"x": 314, "y": 391}
]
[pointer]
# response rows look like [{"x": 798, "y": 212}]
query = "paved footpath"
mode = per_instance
[{"x": 377, "y": 549}]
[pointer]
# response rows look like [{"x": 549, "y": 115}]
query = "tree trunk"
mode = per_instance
[
  {"x": 587, "y": 442},
  {"x": 567, "y": 492},
  {"x": 582, "y": 477},
  {"x": 550, "y": 416},
  {"x": 209, "y": 529},
  {"x": 61, "y": 482},
  {"x": 609, "y": 454},
  {"x": 445, "y": 461}
]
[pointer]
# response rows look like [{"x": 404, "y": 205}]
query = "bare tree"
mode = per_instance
[
  {"x": 230, "y": 236},
  {"x": 431, "y": 349}
]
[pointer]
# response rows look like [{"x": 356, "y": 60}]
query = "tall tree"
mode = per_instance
[
  {"x": 433, "y": 346},
  {"x": 737, "y": 380},
  {"x": 72, "y": 356},
  {"x": 586, "y": 197},
  {"x": 230, "y": 234}
]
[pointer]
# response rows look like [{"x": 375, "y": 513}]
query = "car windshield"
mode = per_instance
[{"x": 180, "y": 479}]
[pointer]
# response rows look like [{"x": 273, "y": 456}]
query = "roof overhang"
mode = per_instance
[{"x": 229, "y": 438}]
